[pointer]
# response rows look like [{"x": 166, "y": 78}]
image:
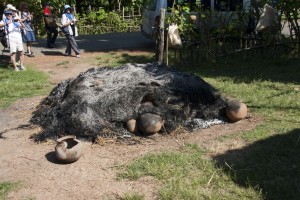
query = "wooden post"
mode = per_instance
[
  {"x": 74, "y": 9},
  {"x": 123, "y": 13},
  {"x": 161, "y": 35},
  {"x": 167, "y": 49}
]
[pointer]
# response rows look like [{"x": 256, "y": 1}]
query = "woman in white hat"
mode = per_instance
[
  {"x": 13, "y": 27},
  {"x": 70, "y": 30},
  {"x": 10, "y": 7}
]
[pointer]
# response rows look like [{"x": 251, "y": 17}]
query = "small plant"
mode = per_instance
[
  {"x": 62, "y": 63},
  {"x": 128, "y": 196},
  {"x": 6, "y": 187}
]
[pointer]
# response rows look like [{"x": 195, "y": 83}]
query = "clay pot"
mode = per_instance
[
  {"x": 235, "y": 110},
  {"x": 131, "y": 126},
  {"x": 150, "y": 123},
  {"x": 68, "y": 149}
]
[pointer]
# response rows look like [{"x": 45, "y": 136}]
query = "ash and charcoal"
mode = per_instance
[{"x": 99, "y": 102}]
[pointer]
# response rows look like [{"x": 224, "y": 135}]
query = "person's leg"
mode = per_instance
[
  {"x": 30, "y": 37},
  {"x": 54, "y": 35},
  {"x": 13, "y": 50},
  {"x": 13, "y": 60},
  {"x": 22, "y": 60},
  {"x": 49, "y": 36},
  {"x": 74, "y": 45},
  {"x": 68, "y": 49},
  {"x": 20, "y": 50},
  {"x": 29, "y": 49}
]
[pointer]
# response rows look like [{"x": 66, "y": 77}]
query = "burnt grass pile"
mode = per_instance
[{"x": 99, "y": 102}]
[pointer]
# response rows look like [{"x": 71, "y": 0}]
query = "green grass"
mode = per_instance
[
  {"x": 5, "y": 188},
  {"x": 134, "y": 196},
  {"x": 188, "y": 174},
  {"x": 16, "y": 85},
  {"x": 62, "y": 63},
  {"x": 268, "y": 168},
  {"x": 270, "y": 88},
  {"x": 117, "y": 59}
]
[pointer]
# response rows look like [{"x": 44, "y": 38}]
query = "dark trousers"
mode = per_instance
[
  {"x": 71, "y": 45},
  {"x": 51, "y": 35}
]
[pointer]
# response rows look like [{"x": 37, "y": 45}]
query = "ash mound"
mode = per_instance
[{"x": 100, "y": 101}]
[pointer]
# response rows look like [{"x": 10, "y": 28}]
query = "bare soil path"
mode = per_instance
[{"x": 93, "y": 176}]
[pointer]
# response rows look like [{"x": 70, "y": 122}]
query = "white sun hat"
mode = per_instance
[{"x": 10, "y": 7}]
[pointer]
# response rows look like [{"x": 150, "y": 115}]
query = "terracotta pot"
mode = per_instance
[
  {"x": 68, "y": 149},
  {"x": 235, "y": 110},
  {"x": 150, "y": 123},
  {"x": 132, "y": 126}
]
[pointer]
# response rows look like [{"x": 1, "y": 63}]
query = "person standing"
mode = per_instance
[
  {"x": 11, "y": 8},
  {"x": 13, "y": 28},
  {"x": 50, "y": 26},
  {"x": 70, "y": 30},
  {"x": 28, "y": 34}
]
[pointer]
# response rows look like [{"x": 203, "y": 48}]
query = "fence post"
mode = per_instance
[
  {"x": 161, "y": 35},
  {"x": 74, "y": 9}
]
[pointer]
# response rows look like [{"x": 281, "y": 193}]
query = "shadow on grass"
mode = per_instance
[
  {"x": 271, "y": 165},
  {"x": 126, "y": 58},
  {"x": 250, "y": 69}
]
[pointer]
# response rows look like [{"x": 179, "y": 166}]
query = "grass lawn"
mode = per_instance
[
  {"x": 16, "y": 85},
  {"x": 267, "y": 168}
]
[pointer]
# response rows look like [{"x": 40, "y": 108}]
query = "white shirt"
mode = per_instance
[
  {"x": 64, "y": 20},
  {"x": 13, "y": 32}
]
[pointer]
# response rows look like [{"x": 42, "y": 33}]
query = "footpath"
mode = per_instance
[{"x": 94, "y": 43}]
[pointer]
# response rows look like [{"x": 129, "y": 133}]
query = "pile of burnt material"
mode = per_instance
[{"x": 102, "y": 102}]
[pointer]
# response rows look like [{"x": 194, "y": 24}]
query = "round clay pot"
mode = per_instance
[
  {"x": 235, "y": 110},
  {"x": 68, "y": 149},
  {"x": 150, "y": 123},
  {"x": 131, "y": 126}
]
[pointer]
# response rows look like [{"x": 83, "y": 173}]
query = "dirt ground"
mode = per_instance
[{"x": 93, "y": 176}]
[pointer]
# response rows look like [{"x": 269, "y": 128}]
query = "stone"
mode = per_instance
[
  {"x": 235, "y": 110},
  {"x": 150, "y": 123},
  {"x": 68, "y": 149}
]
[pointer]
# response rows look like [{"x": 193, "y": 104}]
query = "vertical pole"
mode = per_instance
[
  {"x": 74, "y": 9},
  {"x": 123, "y": 16},
  {"x": 167, "y": 49},
  {"x": 162, "y": 35}
]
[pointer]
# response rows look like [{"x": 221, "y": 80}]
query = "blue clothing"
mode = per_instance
[
  {"x": 70, "y": 16},
  {"x": 29, "y": 36},
  {"x": 29, "y": 33},
  {"x": 27, "y": 22}
]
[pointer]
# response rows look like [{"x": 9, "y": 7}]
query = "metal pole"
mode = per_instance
[{"x": 162, "y": 35}]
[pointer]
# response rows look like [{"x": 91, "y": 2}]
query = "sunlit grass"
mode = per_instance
[
  {"x": 188, "y": 174},
  {"x": 16, "y": 85},
  {"x": 5, "y": 188},
  {"x": 129, "y": 196}
]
